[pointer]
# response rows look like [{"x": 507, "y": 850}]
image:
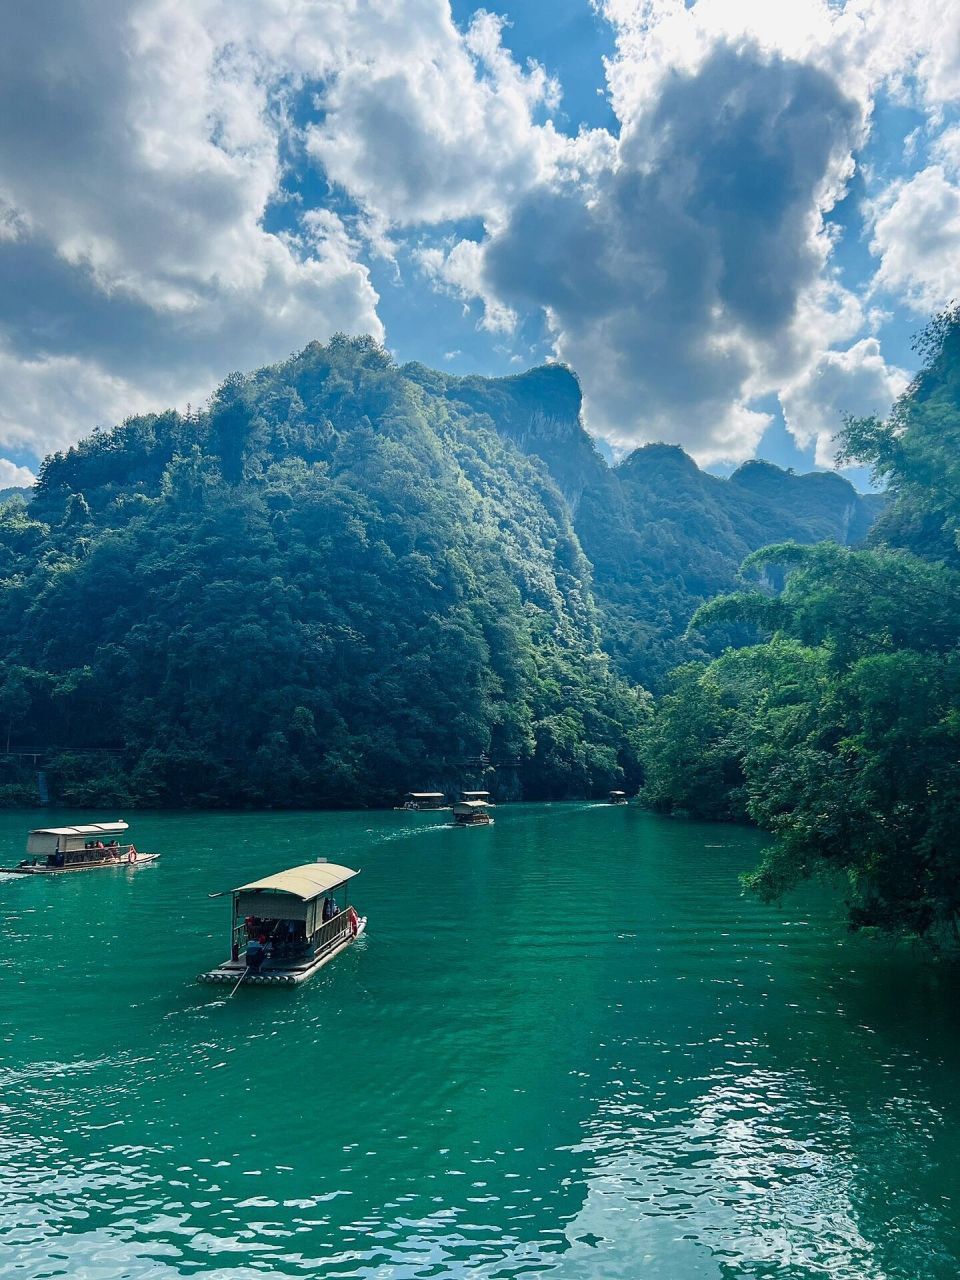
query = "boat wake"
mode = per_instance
[{"x": 412, "y": 831}]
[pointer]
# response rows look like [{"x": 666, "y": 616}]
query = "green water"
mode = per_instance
[{"x": 565, "y": 1047}]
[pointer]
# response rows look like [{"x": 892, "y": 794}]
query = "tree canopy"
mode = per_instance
[
  {"x": 327, "y": 588},
  {"x": 840, "y": 732}
]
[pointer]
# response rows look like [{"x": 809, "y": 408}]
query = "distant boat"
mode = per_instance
[
  {"x": 618, "y": 797},
  {"x": 471, "y": 813},
  {"x": 432, "y": 801},
  {"x": 52, "y": 850},
  {"x": 285, "y": 927},
  {"x": 483, "y": 796}
]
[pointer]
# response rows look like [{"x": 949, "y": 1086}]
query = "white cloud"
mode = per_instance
[
  {"x": 136, "y": 190},
  {"x": 857, "y": 381},
  {"x": 916, "y": 235},
  {"x": 135, "y": 187},
  {"x": 683, "y": 267},
  {"x": 679, "y": 284},
  {"x": 54, "y": 399},
  {"x": 433, "y": 128},
  {"x": 15, "y": 477},
  {"x": 912, "y": 50},
  {"x": 459, "y": 271}
]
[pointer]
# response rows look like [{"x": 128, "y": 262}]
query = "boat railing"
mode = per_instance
[
  {"x": 330, "y": 932},
  {"x": 90, "y": 854}
]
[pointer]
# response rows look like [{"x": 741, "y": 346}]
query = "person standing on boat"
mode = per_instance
[{"x": 256, "y": 951}]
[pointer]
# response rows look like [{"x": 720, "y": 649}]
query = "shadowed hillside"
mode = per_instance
[{"x": 662, "y": 535}]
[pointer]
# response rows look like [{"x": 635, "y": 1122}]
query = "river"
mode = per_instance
[{"x": 567, "y": 1046}]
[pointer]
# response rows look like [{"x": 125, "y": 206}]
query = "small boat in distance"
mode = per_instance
[
  {"x": 425, "y": 801},
  {"x": 471, "y": 813},
  {"x": 618, "y": 797},
  {"x": 287, "y": 926},
  {"x": 52, "y": 850},
  {"x": 483, "y": 796}
]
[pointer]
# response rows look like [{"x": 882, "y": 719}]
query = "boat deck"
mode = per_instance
[
  {"x": 41, "y": 869},
  {"x": 276, "y": 975}
]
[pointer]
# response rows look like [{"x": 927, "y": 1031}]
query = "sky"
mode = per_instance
[{"x": 729, "y": 217}]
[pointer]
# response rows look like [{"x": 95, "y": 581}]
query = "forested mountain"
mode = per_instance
[
  {"x": 329, "y": 587},
  {"x": 344, "y": 579},
  {"x": 662, "y": 536},
  {"x": 841, "y": 733}
]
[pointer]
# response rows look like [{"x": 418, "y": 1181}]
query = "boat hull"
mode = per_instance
[
  {"x": 232, "y": 971},
  {"x": 142, "y": 861}
]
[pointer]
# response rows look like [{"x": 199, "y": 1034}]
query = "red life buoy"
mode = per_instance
[{"x": 354, "y": 922}]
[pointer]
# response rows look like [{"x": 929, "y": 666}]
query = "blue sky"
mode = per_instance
[{"x": 730, "y": 217}]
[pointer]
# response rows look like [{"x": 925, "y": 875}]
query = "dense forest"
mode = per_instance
[
  {"x": 343, "y": 579},
  {"x": 327, "y": 588},
  {"x": 840, "y": 731},
  {"x": 662, "y": 536}
]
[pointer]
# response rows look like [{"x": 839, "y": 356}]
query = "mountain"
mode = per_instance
[
  {"x": 330, "y": 587},
  {"x": 662, "y": 535},
  {"x": 344, "y": 579}
]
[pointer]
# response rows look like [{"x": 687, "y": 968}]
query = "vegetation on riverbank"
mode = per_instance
[{"x": 840, "y": 733}]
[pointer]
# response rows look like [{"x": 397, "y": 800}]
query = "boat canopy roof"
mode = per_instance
[
  {"x": 425, "y": 795},
  {"x": 306, "y": 882},
  {"x": 472, "y": 804},
  {"x": 93, "y": 829},
  {"x": 475, "y": 795},
  {"x": 618, "y": 793}
]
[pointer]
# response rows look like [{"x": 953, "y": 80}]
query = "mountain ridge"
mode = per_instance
[{"x": 637, "y": 520}]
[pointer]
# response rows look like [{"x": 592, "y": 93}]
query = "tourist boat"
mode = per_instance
[
  {"x": 52, "y": 850},
  {"x": 471, "y": 813},
  {"x": 287, "y": 926},
  {"x": 483, "y": 796},
  {"x": 429, "y": 801},
  {"x": 618, "y": 797}
]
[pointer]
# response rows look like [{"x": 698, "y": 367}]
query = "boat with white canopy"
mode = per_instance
[
  {"x": 53, "y": 850},
  {"x": 472, "y": 813},
  {"x": 286, "y": 927},
  {"x": 425, "y": 802}
]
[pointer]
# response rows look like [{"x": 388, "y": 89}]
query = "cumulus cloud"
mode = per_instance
[
  {"x": 156, "y": 227},
  {"x": 138, "y": 157},
  {"x": 15, "y": 477},
  {"x": 857, "y": 380},
  {"x": 458, "y": 269},
  {"x": 143, "y": 156},
  {"x": 864, "y": 44},
  {"x": 671, "y": 283},
  {"x": 434, "y": 128},
  {"x": 686, "y": 270},
  {"x": 916, "y": 235}
]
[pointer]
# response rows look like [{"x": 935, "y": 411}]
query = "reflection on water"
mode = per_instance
[{"x": 566, "y": 1047}]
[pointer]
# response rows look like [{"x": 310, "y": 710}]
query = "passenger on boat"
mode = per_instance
[
  {"x": 256, "y": 952},
  {"x": 329, "y": 909}
]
